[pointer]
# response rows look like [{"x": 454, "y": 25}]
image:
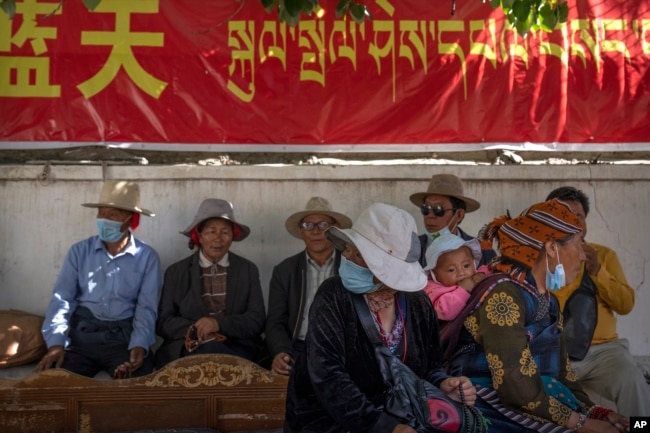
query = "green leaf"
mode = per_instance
[
  {"x": 307, "y": 7},
  {"x": 293, "y": 7},
  {"x": 522, "y": 27},
  {"x": 495, "y": 3},
  {"x": 562, "y": 12},
  {"x": 547, "y": 18},
  {"x": 91, "y": 4},
  {"x": 285, "y": 17},
  {"x": 9, "y": 6},
  {"x": 358, "y": 12},
  {"x": 342, "y": 8},
  {"x": 521, "y": 10},
  {"x": 507, "y": 3},
  {"x": 269, "y": 4}
]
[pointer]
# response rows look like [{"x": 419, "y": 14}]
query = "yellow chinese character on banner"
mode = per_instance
[
  {"x": 22, "y": 76},
  {"x": 122, "y": 40}
]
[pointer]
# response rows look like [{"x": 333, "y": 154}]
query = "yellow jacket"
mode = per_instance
[{"x": 613, "y": 293}]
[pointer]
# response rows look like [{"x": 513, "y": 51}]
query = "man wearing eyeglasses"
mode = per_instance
[
  {"x": 295, "y": 280},
  {"x": 443, "y": 206}
]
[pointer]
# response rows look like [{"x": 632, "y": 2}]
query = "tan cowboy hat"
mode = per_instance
[
  {"x": 387, "y": 238},
  {"x": 315, "y": 206},
  {"x": 217, "y": 208},
  {"x": 120, "y": 194},
  {"x": 445, "y": 184}
]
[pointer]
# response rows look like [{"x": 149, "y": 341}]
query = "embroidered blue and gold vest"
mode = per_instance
[{"x": 542, "y": 321}]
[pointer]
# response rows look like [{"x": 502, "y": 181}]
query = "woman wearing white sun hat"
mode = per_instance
[{"x": 336, "y": 385}]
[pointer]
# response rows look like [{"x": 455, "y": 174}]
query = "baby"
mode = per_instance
[{"x": 451, "y": 269}]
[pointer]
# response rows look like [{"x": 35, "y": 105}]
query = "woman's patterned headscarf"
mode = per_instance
[{"x": 521, "y": 239}]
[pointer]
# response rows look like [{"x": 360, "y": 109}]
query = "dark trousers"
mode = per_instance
[
  {"x": 297, "y": 348},
  {"x": 90, "y": 359},
  {"x": 97, "y": 345},
  {"x": 498, "y": 422}
]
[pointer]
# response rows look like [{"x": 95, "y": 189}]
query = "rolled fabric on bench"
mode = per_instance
[{"x": 21, "y": 341}]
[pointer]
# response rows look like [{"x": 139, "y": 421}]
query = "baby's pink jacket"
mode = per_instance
[{"x": 448, "y": 301}]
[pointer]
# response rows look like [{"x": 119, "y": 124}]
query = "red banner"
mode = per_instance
[{"x": 225, "y": 72}]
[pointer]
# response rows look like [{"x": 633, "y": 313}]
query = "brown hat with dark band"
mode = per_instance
[{"x": 449, "y": 185}]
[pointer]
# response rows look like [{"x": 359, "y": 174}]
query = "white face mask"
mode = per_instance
[
  {"x": 557, "y": 280},
  {"x": 452, "y": 225},
  {"x": 436, "y": 235}
]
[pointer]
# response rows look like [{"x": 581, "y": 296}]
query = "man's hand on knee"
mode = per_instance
[
  {"x": 282, "y": 363},
  {"x": 52, "y": 359},
  {"x": 126, "y": 369}
]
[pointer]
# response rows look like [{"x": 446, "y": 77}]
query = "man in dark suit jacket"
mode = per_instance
[
  {"x": 443, "y": 206},
  {"x": 296, "y": 279}
]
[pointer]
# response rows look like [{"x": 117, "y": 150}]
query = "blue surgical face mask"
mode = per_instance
[
  {"x": 557, "y": 280},
  {"x": 109, "y": 230},
  {"x": 436, "y": 235},
  {"x": 356, "y": 279}
]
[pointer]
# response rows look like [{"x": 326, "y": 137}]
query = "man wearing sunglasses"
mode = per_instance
[
  {"x": 443, "y": 206},
  {"x": 296, "y": 279}
]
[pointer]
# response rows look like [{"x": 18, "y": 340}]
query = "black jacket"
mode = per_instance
[
  {"x": 335, "y": 385},
  {"x": 286, "y": 301},
  {"x": 181, "y": 305},
  {"x": 486, "y": 255}
]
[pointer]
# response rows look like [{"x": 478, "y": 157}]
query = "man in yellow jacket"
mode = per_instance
[{"x": 599, "y": 357}]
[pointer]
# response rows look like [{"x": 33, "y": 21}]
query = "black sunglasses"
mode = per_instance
[{"x": 437, "y": 209}]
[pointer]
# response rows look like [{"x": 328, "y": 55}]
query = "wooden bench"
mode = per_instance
[{"x": 221, "y": 392}]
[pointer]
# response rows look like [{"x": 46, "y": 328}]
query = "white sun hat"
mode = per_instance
[
  {"x": 386, "y": 237},
  {"x": 449, "y": 242}
]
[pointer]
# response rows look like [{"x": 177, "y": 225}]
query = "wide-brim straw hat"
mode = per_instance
[
  {"x": 120, "y": 194},
  {"x": 387, "y": 239},
  {"x": 449, "y": 185},
  {"x": 315, "y": 206},
  {"x": 217, "y": 208},
  {"x": 450, "y": 242}
]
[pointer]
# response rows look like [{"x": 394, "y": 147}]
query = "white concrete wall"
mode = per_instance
[{"x": 39, "y": 220}]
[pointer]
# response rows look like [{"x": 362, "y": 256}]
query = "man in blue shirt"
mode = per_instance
[{"x": 103, "y": 310}]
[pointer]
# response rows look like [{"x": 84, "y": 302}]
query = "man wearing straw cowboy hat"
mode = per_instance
[
  {"x": 443, "y": 206},
  {"x": 103, "y": 311},
  {"x": 296, "y": 279}
]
